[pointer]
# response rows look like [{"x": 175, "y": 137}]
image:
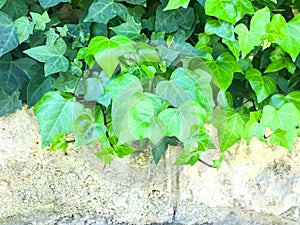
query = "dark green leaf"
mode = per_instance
[
  {"x": 13, "y": 73},
  {"x": 130, "y": 29},
  {"x": 101, "y": 11},
  {"x": 9, "y": 35},
  {"x": 9, "y": 102},
  {"x": 15, "y": 9},
  {"x": 170, "y": 21},
  {"x": 49, "y": 3},
  {"x": 38, "y": 85}
]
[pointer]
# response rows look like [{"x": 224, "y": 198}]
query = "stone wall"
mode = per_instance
[{"x": 255, "y": 185}]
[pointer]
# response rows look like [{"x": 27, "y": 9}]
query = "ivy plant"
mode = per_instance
[{"x": 156, "y": 71}]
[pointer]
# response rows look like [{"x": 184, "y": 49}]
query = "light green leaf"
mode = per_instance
[
  {"x": 281, "y": 64},
  {"x": 105, "y": 155},
  {"x": 286, "y": 118},
  {"x": 217, "y": 162},
  {"x": 222, "y": 69},
  {"x": 274, "y": 29},
  {"x": 9, "y": 35},
  {"x": 134, "y": 118},
  {"x": 59, "y": 143},
  {"x": 86, "y": 129},
  {"x": 123, "y": 86},
  {"x": 130, "y": 29},
  {"x": 24, "y": 28},
  {"x": 248, "y": 39},
  {"x": 262, "y": 85},
  {"x": 40, "y": 21},
  {"x": 122, "y": 150},
  {"x": 49, "y": 3},
  {"x": 187, "y": 157},
  {"x": 170, "y": 21},
  {"x": 53, "y": 57},
  {"x": 101, "y": 11},
  {"x": 228, "y": 10},
  {"x": 294, "y": 97},
  {"x": 292, "y": 42},
  {"x": 107, "y": 52},
  {"x": 233, "y": 46},
  {"x": 9, "y": 102},
  {"x": 179, "y": 122},
  {"x": 221, "y": 28},
  {"x": 254, "y": 128},
  {"x": 279, "y": 137},
  {"x": 175, "y": 4},
  {"x": 187, "y": 85},
  {"x": 56, "y": 112},
  {"x": 231, "y": 127}
]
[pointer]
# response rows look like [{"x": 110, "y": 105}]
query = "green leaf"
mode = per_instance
[
  {"x": 134, "y": 2},
  {"x": 107, "y": 52},
  {"x": 274, "y": 29},
  {"x": 65, "y": 82},
  {"x": 248, "y": 39},
  {"x": 286, "y": 118},
  {"x": 254, "y": 128},
  {"x": 59, "y": 143},
  {"x": 134, "y": 118},
  {"x": 130, "y": 29},
  {"x": 231, "y": 126},
  {"x": 159, "y": 150},
  {"x": 294, "y": 97},
  {"x": 187, "y": 85},
  {"x": 222, "y": 69},
  {"x": 2, "y": 3},
  {"x": 170, "y": 21},
  {"x": 49, "y": 3},
  {"x": 228, "y": 10},
  {"x": 175, "y": 4},
  {"x": 15, "y": 9},
  {"x": 86, "y": 129},
  {"x": 9, "y": 102},
  {"x": 40, "y": 21},
  {"x": 217, "y": 162},
  {"x": 56, "y": 112},
  {"x": 104, "y": 155},
  {"x": 9, "y": 35},
  {"x": 101, "y": 11},
  {"x": 292, "y": 42},
  {"x": 38, "y": 85},
  {"x": 179, "y": 122},
  {"x": 262, "y": 85},
  {"x": 53, "y": 57},
  {"x": 279, "y": 137},
  {"x": 122, "y": 150},
  {"x": 123, "y": 86},
  {"x": 187, "y": 157},
  {"x": 24, "y": 28},
  {"x": 13, "y": 73},
  {"x": 233, "y": 46},
  {"x": 221, "y": 28}
]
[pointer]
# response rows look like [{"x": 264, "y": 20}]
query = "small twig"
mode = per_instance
[
  {"x": 105, "y": 121},
  {"x": 207, "y": 164}
]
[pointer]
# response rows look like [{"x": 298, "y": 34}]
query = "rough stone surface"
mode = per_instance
[{"x": 258, "y": 184}]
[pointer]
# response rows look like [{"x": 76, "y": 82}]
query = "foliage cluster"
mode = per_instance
[{"x": 153, "y": 70}]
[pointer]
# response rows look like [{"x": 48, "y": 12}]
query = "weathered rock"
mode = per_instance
[{"x": 255, "y": 185}]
